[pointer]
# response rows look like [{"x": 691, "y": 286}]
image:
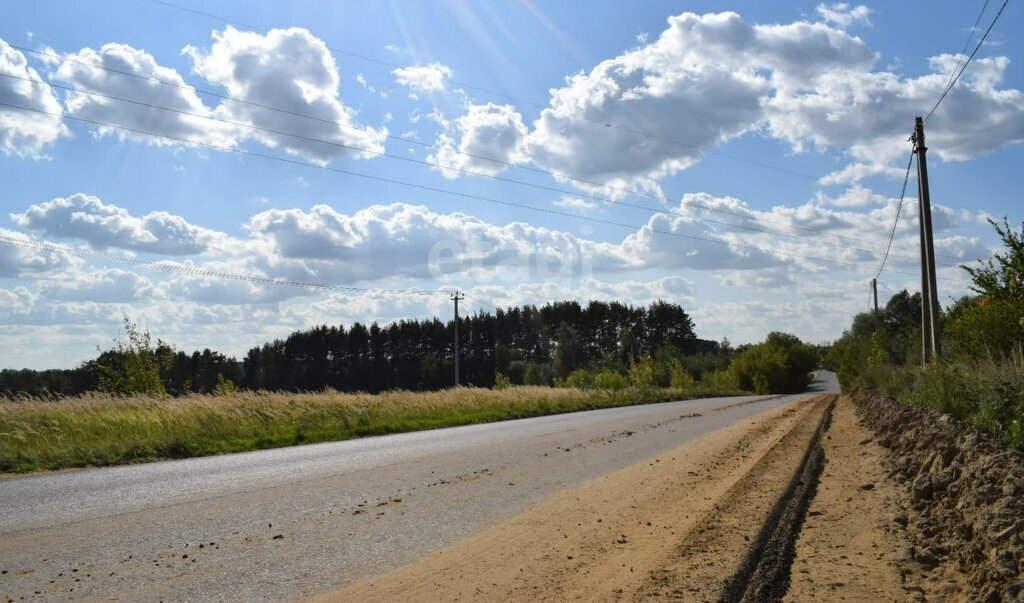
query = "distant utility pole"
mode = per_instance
[
  {"x": 931, "y": 336},
  {"x": 456, "y": 297},
  {"x": 874, "y": 292}
]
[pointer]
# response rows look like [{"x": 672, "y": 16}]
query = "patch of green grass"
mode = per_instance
[
  {"x": 985, "y": 392},
  {"x": 99, "y": 429}
]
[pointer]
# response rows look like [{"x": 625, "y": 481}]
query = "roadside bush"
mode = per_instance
[
  {"x": 680, "y": 377},
  {"x": 612, "y": 380},
  {"x": 517, "y": 372},
  {"x": 780, "y": 365},
  {"x": 986, "y": 393},
  {"x": 132, "y": 366},
  {"x": 580, "y": 378},
  {"x": 984, "y": 326},
  {"x": 702, "y": 363},
  {"x": 501, "y": 381},
  {"x": 720, "y": 381},
  {"x": 225, "y": 386},
  {"x": 537, "y": 374},
  {"x": 648, "y": 372}
]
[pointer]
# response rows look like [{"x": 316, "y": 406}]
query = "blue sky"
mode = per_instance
[{"x": 824, "y": 94}]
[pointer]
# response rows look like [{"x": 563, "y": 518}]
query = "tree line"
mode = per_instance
[{"x": 516, "y": 345}]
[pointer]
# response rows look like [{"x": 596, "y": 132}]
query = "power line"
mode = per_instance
[
  {"x": 963, "y": 52},
  {"x": 506, "y": 163},
  {"x": 450, "y": 192},
  {"x": 333, "y": 143},
  {"x": 514, "y": 99},
  {"x": 453, "y": 290},
  {"x": 896, "y": 219},
  {"x": 445, "y": 167},
  {"x": 481, "y": 302},
  {"x": 436, "y": 165},
  {"x": 968, "y": 62},
  {"x": 556, "y": 175},
  {"x": 193, "y": 271},
  {"x": 225, "y": 97}
]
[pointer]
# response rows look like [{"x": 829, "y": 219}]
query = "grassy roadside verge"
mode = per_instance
[
  {"x": 98, "y": 430},
  {"x": 986, "y": 393}
]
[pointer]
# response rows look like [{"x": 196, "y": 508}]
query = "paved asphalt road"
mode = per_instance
[{"x": 279, "y": 524}]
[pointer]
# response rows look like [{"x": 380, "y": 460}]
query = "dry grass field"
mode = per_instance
[{"x": 98, "y": 429}]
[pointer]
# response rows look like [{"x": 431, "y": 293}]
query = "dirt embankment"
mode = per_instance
[
  {"x": 964, "y": 500},
  {"x": 680, "y": 526}
]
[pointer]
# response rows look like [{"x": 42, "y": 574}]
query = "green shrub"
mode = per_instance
[
  {"x": 225, "y": 386},
  {"x": 612, "y": 380},
  {"x": 986, "y": 392},
  {"x": 537, "y": 374},
  {"x": 780, "y": 365},
  {"x": 680, "y": 377},
  {"x": 501, "y": 381},
  {"x": 720, "y": 381},
  {"x": 580, "y": 378},
  {"x": 132, "y": 366},
  {"x": 517, "y": 372},
  {"x": 980, "y": 379},
  {"x": 984, "y": 326},
  {"x": 648, "y": 372}
]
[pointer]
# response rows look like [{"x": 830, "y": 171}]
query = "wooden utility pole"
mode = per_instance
[
  {"x": 456, "y": 297},
  {"x": 931, "y": 336},
  {"x": 874, "y": 292}
]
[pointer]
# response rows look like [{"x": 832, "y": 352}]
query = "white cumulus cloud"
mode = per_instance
[
  {"x": 24, "y": 133},
  {"x": 289, "y": 69},
  {"x": 182, "y": 115},
  {"x": 491, "y": 137},
  {"x": 23, "y": 262},
  {"x": 106, "y": 226},
  {"x": 423, "y": 78},
  {"x": 654, "y": 110},
  {"x": 844, "y": 14}
]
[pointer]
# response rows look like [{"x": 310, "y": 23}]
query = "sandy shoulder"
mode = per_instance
[
  {"x": 610, "y": 538},
  {"x": 848, "y": 547}
]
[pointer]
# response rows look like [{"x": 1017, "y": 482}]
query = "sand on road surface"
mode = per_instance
[{"x": 676, "y": 526}]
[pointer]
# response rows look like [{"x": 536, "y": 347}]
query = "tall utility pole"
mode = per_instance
[
  {"x": 456, "y": 297},
  {"x": 931, "y": 336},
  {"x": 874, "y": 292}
]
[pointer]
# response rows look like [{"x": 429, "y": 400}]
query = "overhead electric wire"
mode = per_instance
[
  {"x": 968, "y": 62},
  {"x": 896, "y": 219},
  {"x": 554, "y": 174},
  {"x": 193, "y": 271},
  {"x": 450, "y": 192},
  {"x": 655, "y": 210},
  {"x": 482, "y": 302},
  {"x": 535, "y": 104},
  {"x": 506, "y": 163},
  {"x": 409, "y": 140},
  {"x": 453, "y": 289},
  {"x": 963, "y": 52},
  {"x": 438, "y": 165}
]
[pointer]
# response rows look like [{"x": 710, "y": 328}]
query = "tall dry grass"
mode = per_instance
[{"x": 99, "y": 429}]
